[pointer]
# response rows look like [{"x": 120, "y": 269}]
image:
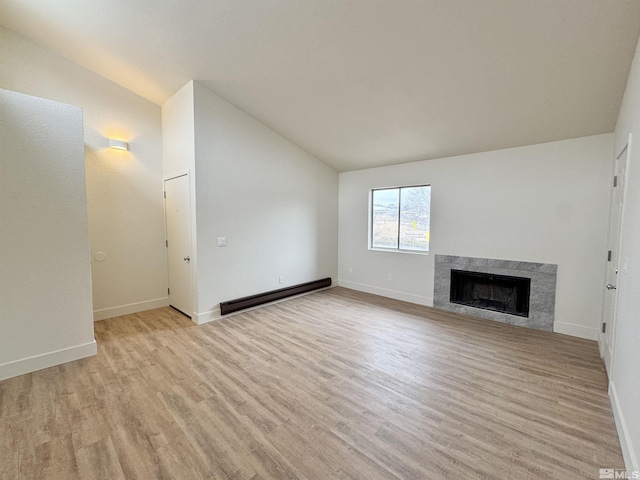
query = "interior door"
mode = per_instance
[
  {"x": 178, "y": 223},
  {"x": 613, "y": 256}
]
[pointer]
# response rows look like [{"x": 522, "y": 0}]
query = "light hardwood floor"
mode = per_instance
[{"x": 337, "y": 384}]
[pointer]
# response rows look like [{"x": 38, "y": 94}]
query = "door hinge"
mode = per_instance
[
  {"x": 604, "y": 328},
  {"x": 166, "y": 244},
  {"x": 609, "y": 256},
  {"x": 168, "y": 291},
  {"x": 615, "y": 181},
  {"x": 165, "y": 194}
]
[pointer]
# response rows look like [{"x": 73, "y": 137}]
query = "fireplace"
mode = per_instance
[
  {"x": 500, "y": 293},
  {"x": 507, "y": 291}
]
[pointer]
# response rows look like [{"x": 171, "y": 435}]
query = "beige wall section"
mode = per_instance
[
  {"x": 625, "y": 374},
  {"x": 124, "y": 189},
  {"x": 276, "y": 205},
  {"x": 541, "y": 203},
  {"x": 45, "y": 278}
]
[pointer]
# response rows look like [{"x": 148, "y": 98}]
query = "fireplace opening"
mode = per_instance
[{"x": 500, "y": 293}]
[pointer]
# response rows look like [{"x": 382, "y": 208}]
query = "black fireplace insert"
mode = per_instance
[{"x": 500, "y": 293}]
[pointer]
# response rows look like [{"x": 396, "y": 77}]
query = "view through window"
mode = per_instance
[{"x": 400, "y": 218}]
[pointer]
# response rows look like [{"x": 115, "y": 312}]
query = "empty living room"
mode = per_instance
[{"x": 319, "y": 239}]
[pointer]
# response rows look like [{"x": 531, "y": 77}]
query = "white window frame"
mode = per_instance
[{"x": 370, "y": 215}]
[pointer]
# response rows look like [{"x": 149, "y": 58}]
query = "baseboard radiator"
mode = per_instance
[{"x": 262, "y": 298}]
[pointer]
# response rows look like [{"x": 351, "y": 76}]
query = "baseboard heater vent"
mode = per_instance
[{"x": 261, "y": 298}]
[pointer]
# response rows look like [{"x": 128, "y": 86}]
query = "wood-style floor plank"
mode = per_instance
[{"x": 337, "y": 384}]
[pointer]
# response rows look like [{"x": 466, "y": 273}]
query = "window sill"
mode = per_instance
[{"x": 395, "y": 250}]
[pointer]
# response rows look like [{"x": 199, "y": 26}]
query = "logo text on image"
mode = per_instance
[{"x": 618, "y": 473}]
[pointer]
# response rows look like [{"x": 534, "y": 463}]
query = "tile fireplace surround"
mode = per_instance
[{"x": 542, "y": 297}]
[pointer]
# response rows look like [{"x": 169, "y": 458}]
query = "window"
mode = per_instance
[{"x": 400, "y": 218}]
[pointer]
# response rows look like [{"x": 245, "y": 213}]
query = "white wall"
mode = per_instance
[
  {"x": 45, "y": 279},
  {"x": 124, "y": 189},
  {"x": 275, "y": 204},
  {"x": 179, "y": 156},
  {"x": 625, "y": 375},
  {"x": 542, "y": 203},
  {"x": 178, "y": 132}
]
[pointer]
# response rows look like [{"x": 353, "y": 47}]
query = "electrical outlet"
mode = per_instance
[
  {"x": 281, "y": 279},
  {"x": 350, "y": 270},
  {"x": 389, "y": 276},
  {"x": 222, "y": 241}
]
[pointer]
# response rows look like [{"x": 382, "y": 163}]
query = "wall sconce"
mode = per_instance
[{"x": 118, "y": 144}]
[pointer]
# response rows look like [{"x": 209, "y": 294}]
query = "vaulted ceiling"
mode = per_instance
[{"x": 369, "y": 82}]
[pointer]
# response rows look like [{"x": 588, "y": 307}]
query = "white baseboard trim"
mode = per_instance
[
  {"x": 384, "y": 292},
  {"x": 111, "y": 312},
  {"x": 46, "y": 360},
  {"x": 213, "y": 315},
  {"x": 576, "y": 330},
  {"x": 628, "y": 451},
  {"x": 206, "y": 317}
]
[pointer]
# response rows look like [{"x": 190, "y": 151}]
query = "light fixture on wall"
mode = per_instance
[{"x": 118, "y": 144}]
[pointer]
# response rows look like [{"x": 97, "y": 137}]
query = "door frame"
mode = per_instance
[
  {"x": 192, "y": 233},
  {"x": 607, "y": 349}
]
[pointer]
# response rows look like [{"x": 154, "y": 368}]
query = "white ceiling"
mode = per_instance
[{"x": 369, "y": 82}]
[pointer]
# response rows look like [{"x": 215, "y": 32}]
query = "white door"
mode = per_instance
[
  {"x": 177, "y": 207},
  {"x": 613, "y": 256}
]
